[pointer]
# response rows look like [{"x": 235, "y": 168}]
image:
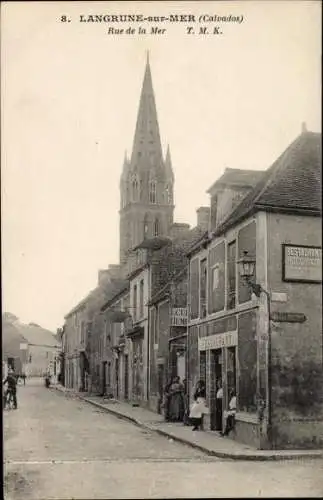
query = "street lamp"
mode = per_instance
[{"x": 247, "y": 265}]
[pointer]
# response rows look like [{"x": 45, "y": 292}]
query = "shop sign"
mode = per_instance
[
  {"x": 179, "y": 316},
  {"x": 302, "y": 263},
  {"x": 23, "y": 347},
  {"x": 288, "y": 317},
  {"x": 218, "y": 340}
]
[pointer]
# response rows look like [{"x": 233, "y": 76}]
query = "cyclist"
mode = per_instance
[{"x": 11, "y": 391}]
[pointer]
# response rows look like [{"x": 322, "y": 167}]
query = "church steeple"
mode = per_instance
[
  {"x": 147, "y": 180},
  {"x": 147, "y": 145}
]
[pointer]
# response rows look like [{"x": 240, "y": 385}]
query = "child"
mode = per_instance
[{"x": 198, "y": 409}]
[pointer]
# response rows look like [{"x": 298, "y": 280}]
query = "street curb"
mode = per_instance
[{"x": 214, "y": 453}]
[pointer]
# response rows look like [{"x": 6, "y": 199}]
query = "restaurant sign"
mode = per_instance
[
  {"x": 302, "y": 263},
  {"x": 179, "y": 316},
  {"x": 218, "y": 340}
]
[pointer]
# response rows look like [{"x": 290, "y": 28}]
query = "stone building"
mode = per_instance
[{"x": 268, "y": 351}]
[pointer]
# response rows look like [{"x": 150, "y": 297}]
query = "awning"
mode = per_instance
[
  {"x": 117, "y": 316},
  {"x": 137, "y": 331}
]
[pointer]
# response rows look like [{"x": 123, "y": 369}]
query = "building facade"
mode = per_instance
[{"x": 268, "y": 352}]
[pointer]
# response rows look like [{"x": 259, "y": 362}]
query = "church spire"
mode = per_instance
[
  {"x": 168, "y": 165},
  {"x": 147, "y": 145}
]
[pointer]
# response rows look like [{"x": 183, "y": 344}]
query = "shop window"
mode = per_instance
[
  {"x": 203, "y": 365},
  {"x": 231, "y": 369},
  {"x": 203, "y": 284},
  {"x": 247, "y": 352},
  {"x": 231, "y": 280}
]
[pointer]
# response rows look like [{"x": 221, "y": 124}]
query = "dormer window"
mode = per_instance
[{"x": 152, "y": 192}]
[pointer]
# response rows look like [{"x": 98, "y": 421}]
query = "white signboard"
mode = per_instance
[
  {"x": 302, "y": 263},
  {"x": 179, "y": 316},
  {"x": 23, "y": 347},
  {"x": 218, "y": 340}
]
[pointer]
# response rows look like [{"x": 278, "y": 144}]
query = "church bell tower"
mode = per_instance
[{"x": 147, "y": 179}]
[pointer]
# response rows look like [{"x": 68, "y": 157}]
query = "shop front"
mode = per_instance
[{"x": 228, "y": 363}]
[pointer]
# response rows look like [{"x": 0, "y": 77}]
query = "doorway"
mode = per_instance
[
  {"x": 126, "y": 376},
  {"x": 216, "y": 404},
  {"x": 161, "y": 383},
  {"x": 117, "y": 377},
  {"x": 104, "y": 377}
]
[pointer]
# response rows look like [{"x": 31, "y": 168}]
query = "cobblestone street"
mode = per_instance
[{"x": 59, "y": 447}]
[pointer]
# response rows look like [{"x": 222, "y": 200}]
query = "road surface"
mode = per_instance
[{"x": 60, "y": 447}]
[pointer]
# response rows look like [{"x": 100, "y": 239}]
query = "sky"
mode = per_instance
[{"x": 70, "y": 95}]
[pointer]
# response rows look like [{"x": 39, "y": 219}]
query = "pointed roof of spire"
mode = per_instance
[
  {"x": 168, "y": 164},
  {"x": 147, "y": 148},
  {"x": 126, "y": 166}
]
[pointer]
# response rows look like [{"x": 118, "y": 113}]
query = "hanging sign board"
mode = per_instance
[
  {"x": 302, "y": 263},
  {"x": 179, "y": 316}
]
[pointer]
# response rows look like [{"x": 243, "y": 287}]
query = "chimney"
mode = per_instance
[
  {"x": 114, "y": 271},
  {"x": 103, "y": 276},
  {"x": 203, "y": 218},
  {"x": 178, "y": 229},
  {"x": 304, "y": 128}
]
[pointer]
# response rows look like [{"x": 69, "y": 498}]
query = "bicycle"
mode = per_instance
[{"x": 9, "y": 402}]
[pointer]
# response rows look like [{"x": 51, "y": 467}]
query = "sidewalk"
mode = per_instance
[{"x": 209, "y": 442}]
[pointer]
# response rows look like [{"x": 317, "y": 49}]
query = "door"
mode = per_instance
[
  {"x": 161, "y": 383},
  {"x": 116, "y": 366},
  {"x": 126, "y": 377},
  {"x": 216, "y": 405},
  {"x": 104, "y": 377}
]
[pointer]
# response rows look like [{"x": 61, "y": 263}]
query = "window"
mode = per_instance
[
  {"x": 135, "y": 188},
  {"x": 167, "y": 194},
  {"x": 82, "y": 333},
  {"x": 156, "y": 227},
  {"x": 203, "y": 282},
  {"x": 231, "y": 283},
  {"x": 215, "y": 277},
  {"x": 135, "y": 303},
  {"x": 141, "y": 299},
  {"x": 203, "y": 365},
  {"x": 146, "y": 227},
  {"x": 152, "y": 192}
]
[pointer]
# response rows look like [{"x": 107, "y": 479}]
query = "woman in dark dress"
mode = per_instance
[{"x": 176, "y": 404}]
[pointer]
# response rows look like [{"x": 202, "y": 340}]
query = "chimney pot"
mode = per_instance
[{"x": 304, "y": 128}]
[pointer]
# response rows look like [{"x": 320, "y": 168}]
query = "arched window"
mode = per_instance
[
  {"x": 152, "y": 192},
  {"x": 146, "y": 227},
  {"x": 135, "y": 188},
  {"x": 156, "y": 228},
  {"x": 168, "y": 198}
]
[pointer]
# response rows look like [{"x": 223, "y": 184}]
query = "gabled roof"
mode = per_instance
[
  {"x": 32, "y": 334},
  {"x": 292, "y": 183},
  {"x": 237, "y": 177}
]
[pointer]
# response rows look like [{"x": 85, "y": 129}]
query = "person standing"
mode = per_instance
[
  {"x": 218, "y": 406},
  {"x": 11, "y": 381},
  {"x": 198, "y": 410},
  {"x": 230, "y": 417},
  {"x": 176, "y": 401},
  {"x": 200, "y": 392}
]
